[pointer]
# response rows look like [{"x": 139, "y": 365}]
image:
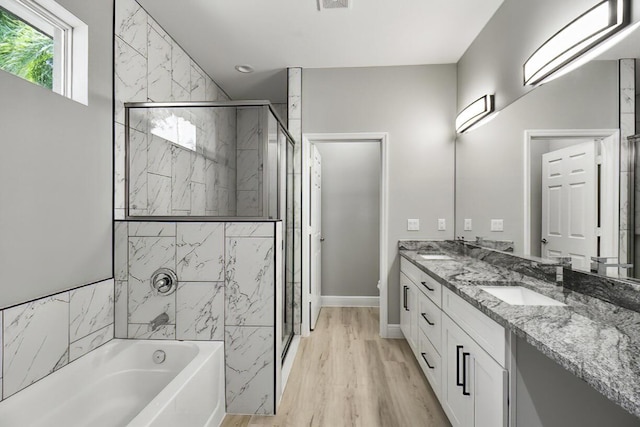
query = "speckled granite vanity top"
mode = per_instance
[{"x": 594, "y": 339}]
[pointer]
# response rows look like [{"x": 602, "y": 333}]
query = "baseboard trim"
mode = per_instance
[
  {"x": 339, "y": 301},
  {"x": 394, "y": 332}
]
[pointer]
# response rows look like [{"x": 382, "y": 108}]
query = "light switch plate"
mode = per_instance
[
  {"x": 442, "y": 224},
  {"x": 468, "y": 224},
  {"x": 497, "y": 225},
  {"x": 413, "y": 224}
]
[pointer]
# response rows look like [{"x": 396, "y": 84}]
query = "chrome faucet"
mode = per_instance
[
  {"x": 599, "y": 264},
  {"x": 161, "y": 319}
]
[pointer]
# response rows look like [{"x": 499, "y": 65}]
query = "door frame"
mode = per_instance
[
  {"x": 614, "y": 182},
  {"x": 381, "y": 138}
]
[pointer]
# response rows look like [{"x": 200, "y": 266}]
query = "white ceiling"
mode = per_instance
[{"x": 272, "y": 35}]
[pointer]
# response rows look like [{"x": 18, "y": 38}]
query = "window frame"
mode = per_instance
[{"x": 70, "y": 43}]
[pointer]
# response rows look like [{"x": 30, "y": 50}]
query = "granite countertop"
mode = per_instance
[{"x": 595, "y": 340}]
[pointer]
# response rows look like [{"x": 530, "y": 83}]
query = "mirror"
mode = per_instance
[{"x": 546, "y": 157}]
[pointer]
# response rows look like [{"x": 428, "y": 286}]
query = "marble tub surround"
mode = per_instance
[
  {"x": 42, "y": 336},
  {"x": 595, "y": 340},
  {"x": 226, "y": 292}
]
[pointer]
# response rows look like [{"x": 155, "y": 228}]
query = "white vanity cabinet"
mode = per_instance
[
  {"x": 461, "y": 351},
  {"x": 474, "y": 385}
]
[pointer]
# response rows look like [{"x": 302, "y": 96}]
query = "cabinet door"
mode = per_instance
[
  {"x": 474, "y": 386},
  {"x": 457, "y": 400},
  {"x": 412, "y": 303},
  {"x": 405, "y": 323},
  {"x": 489, "y": 391}
]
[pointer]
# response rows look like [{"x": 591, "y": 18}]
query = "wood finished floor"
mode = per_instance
[{"x": 346, "y": 375}]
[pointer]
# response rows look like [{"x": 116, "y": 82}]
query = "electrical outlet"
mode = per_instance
[
  {"x": 413, "y": 224},
  {"x": 468, "y": 224},
  {"x": 497, "y": 225},
  {"x": 442, "y": 224}
]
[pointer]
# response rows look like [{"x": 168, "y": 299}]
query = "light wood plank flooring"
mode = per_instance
[{"x": 346, "y": 375}]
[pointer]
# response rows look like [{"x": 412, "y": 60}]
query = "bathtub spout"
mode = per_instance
[{"x": 160, "y": 320}]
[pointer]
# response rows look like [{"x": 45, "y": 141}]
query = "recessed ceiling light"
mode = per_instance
[{"x": 244, "y": 68}]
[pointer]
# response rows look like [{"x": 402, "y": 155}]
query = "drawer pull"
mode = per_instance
[
  {"x": 465, "y": 355},
  {"x": 427, "y": 286},
  {"x": 424, "y": 356},
  {"x": 404, "y": 297},
  {"x": 458, "y": 382},
  {"x": 424, "y": 316}
]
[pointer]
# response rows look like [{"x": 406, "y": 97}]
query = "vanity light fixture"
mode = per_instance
[
  {"x": 475, "y": 113},
  {"x": 568, "y": 48}
]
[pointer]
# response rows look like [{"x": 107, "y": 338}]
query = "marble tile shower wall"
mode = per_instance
[
  {"x": 44, "y": 335},
  {"x": 294, "y": 125},
  {"x": 226, "y": 292},
  {"x": 170, "y": 180},
  {"x": 151, "y": 66},
  {"x": 250, "y": 161},
  {"x": 627, "y": 128}
]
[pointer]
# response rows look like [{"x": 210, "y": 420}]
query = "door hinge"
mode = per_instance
[{"x": 598, "y": 232}]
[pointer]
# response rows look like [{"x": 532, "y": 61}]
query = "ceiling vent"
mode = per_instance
[{"x": 334, "y": 4}]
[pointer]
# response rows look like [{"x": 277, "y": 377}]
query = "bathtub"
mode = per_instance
[{"x": 121, "y": 384}]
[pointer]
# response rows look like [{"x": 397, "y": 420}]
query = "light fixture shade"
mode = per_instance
[
  {"x": 474, "y": 113},
  {"x": 575, "y": 39}
]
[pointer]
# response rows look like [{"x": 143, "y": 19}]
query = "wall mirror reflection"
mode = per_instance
[{"x": 556, "y": 166}]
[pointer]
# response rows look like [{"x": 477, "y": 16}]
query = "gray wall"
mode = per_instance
[
  {"x": 493, "y": 63},
  {"x": 416, "y": 106},
  {"x": 547, "y": 395},
  {"x": 489, "y": 160},
  {"x": 55, "y": 175},
  {"x": 350, "y": 218}
]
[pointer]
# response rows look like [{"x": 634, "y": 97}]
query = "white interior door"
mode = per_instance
[
  {"x": 315, "y": 234},
  {"x": 569, "y": 204}
]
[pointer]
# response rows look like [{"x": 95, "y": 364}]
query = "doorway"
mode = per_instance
[
  {"x": 572, "y": 194},
  {"x": 345, "y": 226}
]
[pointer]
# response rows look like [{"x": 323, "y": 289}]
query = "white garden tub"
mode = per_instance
[{"x": 119, "y": 384}]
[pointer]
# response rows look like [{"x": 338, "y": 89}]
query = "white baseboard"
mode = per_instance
[
  {"x": 338, "y": 301},
  {"x": 394, "y": 332}
]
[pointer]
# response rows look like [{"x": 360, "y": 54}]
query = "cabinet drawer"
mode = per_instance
[
  {"x": 430, "y": 362},
  {"x": 431, "y": 288},
  {"x": 430, "y": 320},
  {"x": 487, "y": 333},
  {"x": 410, "y": 270}
]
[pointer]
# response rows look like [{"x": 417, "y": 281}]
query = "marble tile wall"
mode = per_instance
[
  {"x": 294, "y": 125},
  {"x": 151, "y": 66},
  {"x": 226, "y": 291},
  {"x": 627, "y": 128},
  {"x": 250, "y": 147},
  {"x": 42, "y": 336}
]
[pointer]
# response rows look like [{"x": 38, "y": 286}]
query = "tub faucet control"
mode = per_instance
[{"x": 164, "y": 281}]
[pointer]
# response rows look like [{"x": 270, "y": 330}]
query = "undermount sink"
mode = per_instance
[
  {"x": 517, "y": 295},
  {"x": 434, "y": 257}
]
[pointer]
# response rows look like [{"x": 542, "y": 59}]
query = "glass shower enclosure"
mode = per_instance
[{"x": 214, "y": 161}]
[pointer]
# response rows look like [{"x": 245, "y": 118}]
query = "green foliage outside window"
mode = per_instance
[{"x": 25, "y": 51}]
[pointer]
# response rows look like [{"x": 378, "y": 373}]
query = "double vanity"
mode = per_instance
[{"x": 464, "y": 308}]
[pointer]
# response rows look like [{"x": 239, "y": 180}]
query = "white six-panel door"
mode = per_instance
[{"x": 569, "y": 204}]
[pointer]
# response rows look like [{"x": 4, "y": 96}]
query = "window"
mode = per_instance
[
  {"x": 25, "y": 51},
  {"x": 42, "y": 42}
]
